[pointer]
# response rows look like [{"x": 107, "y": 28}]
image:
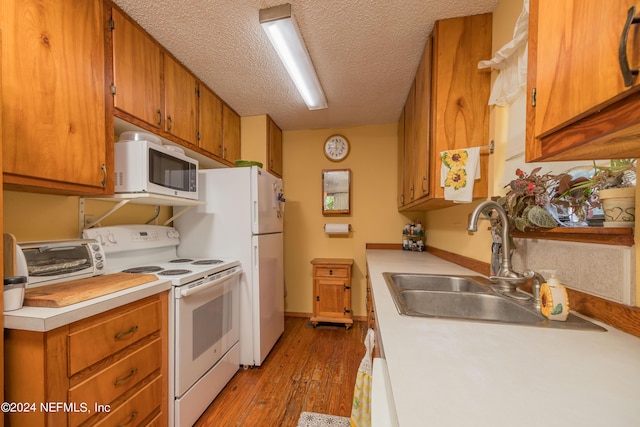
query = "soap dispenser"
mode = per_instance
[{"x": 554, "y": 300}]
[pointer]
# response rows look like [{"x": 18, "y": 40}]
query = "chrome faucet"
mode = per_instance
[{"x": 506, "y": 279}]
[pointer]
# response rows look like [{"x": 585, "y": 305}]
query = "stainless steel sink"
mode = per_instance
[
  {"x": 468, "y": 298},
  {"x": 434, "y": 282}
]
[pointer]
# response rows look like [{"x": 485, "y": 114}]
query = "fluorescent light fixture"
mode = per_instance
[{"x": 283, "y": 32}]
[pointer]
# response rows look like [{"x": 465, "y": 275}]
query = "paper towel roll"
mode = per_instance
[{"x": 333, "y": 229}]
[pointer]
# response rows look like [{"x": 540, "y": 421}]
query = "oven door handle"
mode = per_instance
[{"x": 216, "y": 281}]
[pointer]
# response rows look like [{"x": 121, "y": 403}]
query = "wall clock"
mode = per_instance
[{"x": 336, "y": 148}]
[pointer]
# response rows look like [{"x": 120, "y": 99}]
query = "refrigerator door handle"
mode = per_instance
[{"x": 256, "y": 260}]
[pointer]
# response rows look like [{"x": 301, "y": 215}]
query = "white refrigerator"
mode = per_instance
[{"x": 243, "y": 219}]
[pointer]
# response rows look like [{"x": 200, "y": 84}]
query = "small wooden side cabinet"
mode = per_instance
[{"x": 332, "y": 291}]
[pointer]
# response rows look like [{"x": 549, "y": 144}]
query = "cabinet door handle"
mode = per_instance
[
  {"x": 424, "y": 190},
  {"x": 131, "y": 373},
  {"x": 159, "y": 113},
  {"x": 169, "y": 122},
  {"x": 628, "y": 74},
  {"x": 125, "y": 333}
]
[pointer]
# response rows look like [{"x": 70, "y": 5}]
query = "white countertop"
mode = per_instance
[
  {"x": 458, "y": 373},
  {"x": 42, "y": 319}
]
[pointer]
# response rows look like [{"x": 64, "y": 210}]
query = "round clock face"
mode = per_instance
[{"x": 336, "y": 148}]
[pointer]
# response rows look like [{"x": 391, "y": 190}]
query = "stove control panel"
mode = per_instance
[{"x": 119, "y": 238}]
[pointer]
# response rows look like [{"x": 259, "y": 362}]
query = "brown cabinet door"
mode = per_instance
[
  {"x": 401, "y": 161},
  {"x": 137, "y": 67},
  {"x": 333, "y": 300},
  {"x": 460, "y": 92},
  {"x": 576, "y": 65},
  {"x": 274, "y": 153},
  {"x": 409, "y": 145},
  {"x": 181, "y": 100},
  {"x": 230, "y": 134},
  {"x": 422, "y": 125},
  {"x": 210, "y": 121},
  {"x": 53, "y": 94}
]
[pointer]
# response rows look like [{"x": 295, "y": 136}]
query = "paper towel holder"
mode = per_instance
[{"x": 341, "y": 232}]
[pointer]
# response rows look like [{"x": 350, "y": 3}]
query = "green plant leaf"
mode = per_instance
[{"x": 539, "y": 217}]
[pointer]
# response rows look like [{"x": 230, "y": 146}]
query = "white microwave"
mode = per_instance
[{"x": 146, "y": 167}]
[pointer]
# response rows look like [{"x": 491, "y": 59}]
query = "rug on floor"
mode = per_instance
[{"x": 313, "y": 419}]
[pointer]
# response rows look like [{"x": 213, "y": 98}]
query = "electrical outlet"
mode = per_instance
[{"x": 88, "y": 219}]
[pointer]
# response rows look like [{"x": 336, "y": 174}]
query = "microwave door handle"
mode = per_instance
[{"x": 190, "y": 291}]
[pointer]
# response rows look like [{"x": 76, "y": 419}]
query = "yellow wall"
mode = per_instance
[
  {"x": 374, "y": 217},
  {"x": 33, "y": 216},
  {"x": 253, "y": 130}
]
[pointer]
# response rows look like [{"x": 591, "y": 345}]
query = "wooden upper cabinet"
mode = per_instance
[
  {"x": 274, "y": 148},
  {"x": 210, "y": 122},
  {"x": 409, "y": 144},
  {"x": 446, "y": 109},
  {"x": 137, "y": 70},
  {"x": 230, "y": 134},
  {"x": 579, "y": 106},
  {"x": 422, "y": 125},
  {"x": 401, "y": 161},
  {"x": 181, "y": 101},
  {"x": 53, "y": 96}
]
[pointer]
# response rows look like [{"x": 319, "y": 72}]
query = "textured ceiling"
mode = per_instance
[{"x": 366, "y": 52}]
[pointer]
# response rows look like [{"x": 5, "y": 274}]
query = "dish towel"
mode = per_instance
[
  {"x": 460, "y": 168},
  {"x": 361, "y": 409}
]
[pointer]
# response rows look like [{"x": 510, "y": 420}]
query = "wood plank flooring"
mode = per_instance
[{"x": 307, "y": 370}]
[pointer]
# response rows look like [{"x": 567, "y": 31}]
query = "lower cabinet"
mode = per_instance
[
  {"x": 108, "y": 369},
  {"x": 332, "y": 291}
]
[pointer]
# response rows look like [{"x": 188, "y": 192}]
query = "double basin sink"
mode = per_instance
[{"x": 470, "y": 298}]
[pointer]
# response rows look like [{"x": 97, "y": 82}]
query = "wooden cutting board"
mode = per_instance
[{"x": 67, "y": 293}]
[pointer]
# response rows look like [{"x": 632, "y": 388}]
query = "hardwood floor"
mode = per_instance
[{"x": 307, "y": 370}]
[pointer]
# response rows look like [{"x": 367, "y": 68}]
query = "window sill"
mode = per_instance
[{"x": 601, "y": 235}]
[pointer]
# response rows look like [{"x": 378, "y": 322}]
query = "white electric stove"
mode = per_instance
[{"x": 203, "y": 311}]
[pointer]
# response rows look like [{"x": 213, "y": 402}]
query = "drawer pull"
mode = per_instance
[
  {"x": 132, "y": 417},
  {"x": 628, "y": 74},
  {"x": 125, "y": 333},
  {"x": 119, "y": 381}
]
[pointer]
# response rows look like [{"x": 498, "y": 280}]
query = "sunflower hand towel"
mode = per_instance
[{"x": 460, "y": 168}]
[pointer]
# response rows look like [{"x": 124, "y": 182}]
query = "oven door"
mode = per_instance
[{"x": 206, "y": 326}]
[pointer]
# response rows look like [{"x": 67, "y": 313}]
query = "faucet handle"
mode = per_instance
[{"x": 538, "y": 280}]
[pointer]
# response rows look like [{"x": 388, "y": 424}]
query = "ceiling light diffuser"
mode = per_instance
[{"x": 284, "y": 34}]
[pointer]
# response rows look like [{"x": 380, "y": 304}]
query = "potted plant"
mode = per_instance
[
  {"x": 545, "y": 201},
  {"x": 614, "y": 188}
]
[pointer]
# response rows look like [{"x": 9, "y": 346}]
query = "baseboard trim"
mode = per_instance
[{"x": 309, "y": 315}]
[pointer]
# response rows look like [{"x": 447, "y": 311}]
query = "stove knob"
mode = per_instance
[
  {"x": 173, "y": 234},
  {"x": 111, "y": 238}
]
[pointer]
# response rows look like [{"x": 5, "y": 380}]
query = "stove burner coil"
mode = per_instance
[
  {"x": 207, "y": 262},
  {"x": 175, "y": 272},
  {"x": 143, "y": 269},
  {"x": 180, "y": 260}
]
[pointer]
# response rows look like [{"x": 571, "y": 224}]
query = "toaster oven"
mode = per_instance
[{"x": 49, "y": 262}]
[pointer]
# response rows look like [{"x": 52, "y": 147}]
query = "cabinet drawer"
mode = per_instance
[
  {"x": 94, "y": 343},
  {"x": 137, "y": 408},
  {"x": 106, "y": 385},
  {"x": 331, "y": 272}
]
